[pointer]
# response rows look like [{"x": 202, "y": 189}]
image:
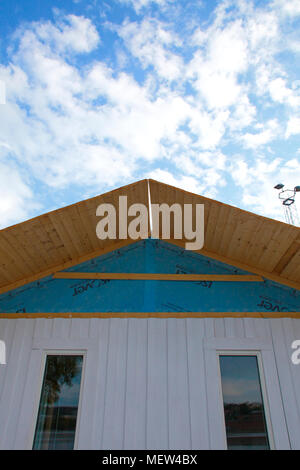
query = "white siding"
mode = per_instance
[{"x": 147, "y": 383}]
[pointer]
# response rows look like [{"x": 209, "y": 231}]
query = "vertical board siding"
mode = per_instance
[
  {"x": 114, "y": 407},
  {"x": 157, "y": 432},
  {"x": 195, "y": 331},
  {"x": 13, "y": 386},
  {"x": 136, "y": 385},
  {"x": 179, "y": 422},
  {"x": 100, "y": 378},
  {"x": 7, "y": 330},
  {"x": 147, "y": 383},
  {"x": 283, "y": 351}
]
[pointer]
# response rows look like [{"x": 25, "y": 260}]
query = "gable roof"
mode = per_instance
[
  {"x": 67, "y": 236},
  {"x": 243, "y": 239}
]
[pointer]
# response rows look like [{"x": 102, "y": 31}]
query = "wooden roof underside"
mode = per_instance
[{"x": 67, "y": 236}]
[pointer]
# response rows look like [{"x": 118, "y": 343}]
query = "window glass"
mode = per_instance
[
  {"x": 56, "y": 423},
  {"x": 243, "y": 403}
]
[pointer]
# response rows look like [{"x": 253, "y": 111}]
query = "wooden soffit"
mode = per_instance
[
  {"x": 243, "y": 239},
  {"x": 65, "y": 237}
]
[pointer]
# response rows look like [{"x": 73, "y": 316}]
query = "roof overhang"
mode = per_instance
[{"x": 65, "y": 237}]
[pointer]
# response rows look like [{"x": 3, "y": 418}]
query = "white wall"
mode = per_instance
[{"x": 147, "y": 383}]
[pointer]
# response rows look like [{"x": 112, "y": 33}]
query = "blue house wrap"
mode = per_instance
[{"x": 151, "y": 256}]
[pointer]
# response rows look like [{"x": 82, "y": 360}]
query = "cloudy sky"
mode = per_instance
[{"x": 200, "y": 94}]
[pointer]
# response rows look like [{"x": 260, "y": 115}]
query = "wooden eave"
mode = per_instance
[{"x": 65, "y": 237}]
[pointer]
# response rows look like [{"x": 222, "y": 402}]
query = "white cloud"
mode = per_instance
[
  {"x": 202, "y": 94},
  {"x": 270, "y": 132},
  {"x": 243, "y": 115},
  {"x": 257, "y": 180},
  {"x": 17, "y": 199},
  {"x": 293, "y": 127},
  {"x": 288, "y": 7},
  {"x": 73, "y": 33},
  {"x": 198, "y": 174},
  {"x": 83, "y": 127},
  {"x": 208, "y": 127},
  {"x": 215, "y": 68},
  {"x": 138, "y": 5},
  {"x": 151, "y": 43},
  {"x": 263, "y": 31},
  {"x": 188, "y": 183},
  {"x": 65, "y": 126},
  {"x": 281, "y": 93}
]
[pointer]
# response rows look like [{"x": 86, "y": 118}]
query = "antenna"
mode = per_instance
[{"x": 287, "y": 196}]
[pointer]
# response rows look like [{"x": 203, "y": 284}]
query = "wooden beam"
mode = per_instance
[
  {"x": 159, "y": 277},
  {"x": 151, "y": 315},
  {"x": 246, "y": 267},
  {"x": 66, "y": 265}
]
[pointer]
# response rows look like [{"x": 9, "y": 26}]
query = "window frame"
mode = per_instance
[
  {"x": 261, "y": 375},
  {"x": 59, "y": 352},
  {"x": 215, "y": 409}
]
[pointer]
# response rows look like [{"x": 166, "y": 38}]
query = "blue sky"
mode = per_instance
[
  {"x": 240, "y": 379},
  {"x": 203, "y": 95}
]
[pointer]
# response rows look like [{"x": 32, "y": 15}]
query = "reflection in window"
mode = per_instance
[
  {"x": 56, "y": 423},
  {"x": 243, "y": 403}
]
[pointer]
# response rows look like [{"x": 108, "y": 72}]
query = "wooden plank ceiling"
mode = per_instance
[
  {"x": 59, "y": 239},
  {"x": 67, "y": 236},
  {"x": 257, "y": 244}
]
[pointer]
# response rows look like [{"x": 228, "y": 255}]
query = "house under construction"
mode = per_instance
[{"x": 143, "y": 344}]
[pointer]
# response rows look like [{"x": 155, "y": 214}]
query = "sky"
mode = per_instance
[
  {"x": 200, "y": 94},
  {"x": 240, "y": 379}
]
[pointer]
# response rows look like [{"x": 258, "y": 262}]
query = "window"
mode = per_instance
[
  {"x": 244, "y": 409},
  {"x": 56, "y": 422}
]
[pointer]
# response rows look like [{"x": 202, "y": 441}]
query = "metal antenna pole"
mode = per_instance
[{"x": 287, "y": 196}]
